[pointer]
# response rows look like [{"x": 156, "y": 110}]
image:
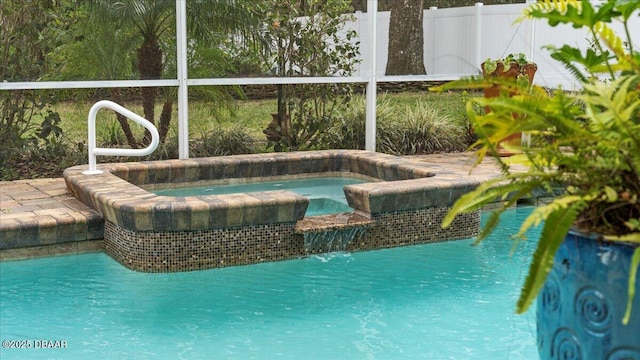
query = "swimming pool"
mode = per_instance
[{"x": 444, "y": 300}]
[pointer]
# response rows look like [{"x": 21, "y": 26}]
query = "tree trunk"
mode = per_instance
[
  {"x": 406, "y": 40},
  {"x": 359, "y": 5},
  {"x": 165, "y": 119},
  {"x": 124, "y": 122},
  {"x": 150, "y": 67}
]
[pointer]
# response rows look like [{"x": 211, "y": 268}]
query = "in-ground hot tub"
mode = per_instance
[{"x": 403, "y": 204}]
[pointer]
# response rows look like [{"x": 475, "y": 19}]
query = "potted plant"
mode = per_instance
[
  {"x": 585, "y": 155},
  {"x": 514, "y": 67}
]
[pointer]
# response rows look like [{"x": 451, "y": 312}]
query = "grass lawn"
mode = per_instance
[{"x": 252, "y": 114}]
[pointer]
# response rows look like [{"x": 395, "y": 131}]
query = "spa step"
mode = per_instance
[{"x": 39, "y": 217}]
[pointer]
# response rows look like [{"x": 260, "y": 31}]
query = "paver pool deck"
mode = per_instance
[{"x": 44, "y": 218}]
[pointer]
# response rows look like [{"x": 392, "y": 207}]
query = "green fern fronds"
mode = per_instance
[
  {"x": 553, "y": 233},
  {"x": 633, "y": 272},
  {"x": 610, "y": 38},
  {"x": 542, "y": 213},
  {"x": 607, "y": 103},
  {"x": 560, "y": 6},
  {"x": 630, "y": 238},
  {"x": 484, "y": 194}
]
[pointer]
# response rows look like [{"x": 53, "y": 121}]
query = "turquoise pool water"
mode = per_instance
[
  {"x": 439, "y": 301},
  {"x": 325, "y": 193}
]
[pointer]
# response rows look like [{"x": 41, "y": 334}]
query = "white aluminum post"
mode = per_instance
[
  {"x": 478, "y": 15},
  {"x": 532, "y": 29},
  {"x": 183, "y": 101},
  {"x": 433, "y": 31},
  {"x": 525, "y": 139},
  {"x": 370, "y": 124}
]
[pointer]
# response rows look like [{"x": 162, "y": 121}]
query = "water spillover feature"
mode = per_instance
[{"x": 326, "y": 196}]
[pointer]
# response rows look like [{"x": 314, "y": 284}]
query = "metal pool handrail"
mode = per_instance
[{"x": 93, "y": 151}]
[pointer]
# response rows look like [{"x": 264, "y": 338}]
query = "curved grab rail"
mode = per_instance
[{"x": 93, "y": 151}]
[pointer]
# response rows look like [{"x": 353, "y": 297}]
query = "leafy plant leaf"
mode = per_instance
[
  {"x": 556, "y": 227},
  {"x": 633, "y": 272}
]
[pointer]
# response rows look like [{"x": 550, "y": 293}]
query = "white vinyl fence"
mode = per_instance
[{"x": 458, "y": 40}]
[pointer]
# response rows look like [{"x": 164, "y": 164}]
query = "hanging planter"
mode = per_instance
[{"x": 512, "y": 68}]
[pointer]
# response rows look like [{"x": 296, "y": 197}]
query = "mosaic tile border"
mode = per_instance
[
  {"x": 403, "y": 228},
  {"x": 174, "y": 251},
  {"x": 197, "y": 250}
]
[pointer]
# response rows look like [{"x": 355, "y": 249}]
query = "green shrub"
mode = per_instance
[
  {"x": 224, "y": 141},
  {"x": 318, "y": 46},
  {"x": 417, "y": 129},
  {"x": 422, "y": 130},
  {"x": 30, "y": 30},
  {"x": 40, "y": 157},
  {"x": 348, "y": 132}
]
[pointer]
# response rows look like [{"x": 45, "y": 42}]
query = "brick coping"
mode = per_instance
[{"x": 118, "y": 193}]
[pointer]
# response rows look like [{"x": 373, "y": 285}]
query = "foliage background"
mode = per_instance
[{"x": 43, "y": 132}]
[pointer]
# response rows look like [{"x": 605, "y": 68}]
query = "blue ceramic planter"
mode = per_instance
[{"x": 580, "y": 309}]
